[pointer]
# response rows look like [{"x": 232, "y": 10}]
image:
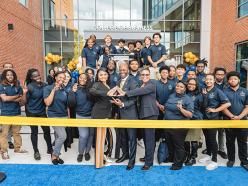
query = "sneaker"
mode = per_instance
[
  {"x": 141, "y": 143},
  {"x": 37, "y": 156},
  {"x": 212, "y": 165},
  {"x": 80, "y": 158},
  {"x": 87, "y": 157},
  {"x": 205, "y": 159}
]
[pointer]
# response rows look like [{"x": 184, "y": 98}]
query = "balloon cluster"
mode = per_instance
[
  {"x": 75, "y": 74},
  {"x": 190, "y": 58},
  {"x": 72, "y": 65},
  {"x": 50, "y": 58},
  {"x": 190, "y": 68}
]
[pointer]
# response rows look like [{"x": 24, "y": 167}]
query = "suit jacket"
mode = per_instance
[
  {"x": 102, "y": 105},
  {"x": 147, "y": 94},
  {"x": 129, "y": 111}
]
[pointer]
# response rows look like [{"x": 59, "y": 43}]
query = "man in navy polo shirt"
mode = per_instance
[
  {"x": 90, "y": 56},
  {"x": 121, "y": 49},
  {"x": 238, "y": 110},
  {"x": 200, "y": 74},
  {"x": 157, "y": 53},
  {"x": 97, "y": 47}
]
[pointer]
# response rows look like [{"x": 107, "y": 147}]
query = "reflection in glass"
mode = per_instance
[
  {"x": 70, "y": 50},
  {"x": 137, "y": 9},
  {"x": 54, "y": 48},
  {"x": 191, "y": 32},
  {"x": 104, "y": 9},
  {"x": 121, "y": 9},
  {"x": 86, "y": 9},
  {"x": 52, "y": 33},
  {"x": 192, "y": 9}
]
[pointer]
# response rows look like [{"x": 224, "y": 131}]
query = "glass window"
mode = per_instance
[
  {"x": 242, "y": 8},
  {"x": 24, "y": 2},
  {"x": 242, "y": 62},
  {"x": 69, "y": 29},
  {"x": 51, "y": 9},
  {"x": 104, "y": 9},
  {"x": 55, "y": 49},
  {"x": 86, "y": 9},
  {"x": 70, "y": 50},
  {"x": 52, "y": 33},
  {"x": 69, "y": 8},
  {"x": 137, "y": 8},
  {"x": 192, "y": 9},
  {"x": 122, "y": 10},
  {"x": 191, "y": 31}
]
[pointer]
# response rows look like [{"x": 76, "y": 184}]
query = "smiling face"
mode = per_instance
[
  {"x": 200, "y": 67},
  {"x": 123, "y": 70},
  {"x": 164, "y": 74},
  {"x": 209, "y": 81},
  {"x": 191, "y": 85},
  {"x": 36, "y": 76},
  {"x": 60, "y": 78},
  {"x": 180, "y": 88},
  {"x": 145, "y": 76},
  {"x": 102, "y": 76},
  {"x": 233, "y": 81},
  {"x": 82, "y": 79}
]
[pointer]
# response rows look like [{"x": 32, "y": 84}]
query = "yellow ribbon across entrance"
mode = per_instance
[{"x": 14, "y": 120}]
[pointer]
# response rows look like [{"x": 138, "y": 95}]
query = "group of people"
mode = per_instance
[{"x": 131, "y": 93}]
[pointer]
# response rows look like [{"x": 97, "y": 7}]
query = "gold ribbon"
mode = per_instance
[{"x": 34, "y": 121}]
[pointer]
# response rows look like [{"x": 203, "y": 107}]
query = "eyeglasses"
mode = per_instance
[{"x": 145, "y": 74}]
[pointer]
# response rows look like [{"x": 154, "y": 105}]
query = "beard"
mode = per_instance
[{"x": 233, "y": 86}]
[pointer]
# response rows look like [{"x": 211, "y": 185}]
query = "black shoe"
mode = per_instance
[
  {"x": 175, "y": 167},
  {"x": 55, "y": 161},
  {"x": 222, "y": 154},
  {"x": 60, "y": 161},
  {"x": 245, "y": 166},
  {"x": 204, "y": 151},
  {"x": 190, "y": 162},
  {"x": 80, "y": 158},
  {"x": 122, "y": 158},
  {"x": 87, "y": 156},
  {"x": 142, "y": 159},
  {"x": 11, "y": 145},
  {"x": 37, "y": 155},
  {"x": 230, "y": 163},
  {"x": 145, "y": 167},
  {"x": 2, "y": 176},
  {"x": 130, "y": 166},
  {"x": 169, "y": 159}
]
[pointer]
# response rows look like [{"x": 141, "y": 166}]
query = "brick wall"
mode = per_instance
[
  {"x": 226, "y": 31},
  {"x": 23, "y": 45}
]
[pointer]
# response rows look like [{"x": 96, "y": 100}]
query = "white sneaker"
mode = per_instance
[
  {"x": 212, "y": 165},
  {"x": 141, "y": 143},
  {"x": 205, "y": 159}
]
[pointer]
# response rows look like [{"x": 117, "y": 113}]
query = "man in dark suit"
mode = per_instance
[
  {"x": 2, "y": 176},
  {"x": 127, "y": 110}
]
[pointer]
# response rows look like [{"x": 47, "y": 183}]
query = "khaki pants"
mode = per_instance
[
  {"x": 100, "y": 142},
  {"x": 16, "y": 135}
]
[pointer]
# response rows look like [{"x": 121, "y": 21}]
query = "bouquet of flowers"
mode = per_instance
[{"x": 50, "y": 58}]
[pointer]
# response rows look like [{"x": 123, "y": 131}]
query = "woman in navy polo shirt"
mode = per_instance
[
  {"x": 179, "y": 106},
  {"x": 55, "y": 98},
  {"x": 194, "y": 135},
  {"x": 83, "y": 104},
  {"x": 11, "y": 94},
  {"x": 35, "y": 107},
  {"x": 214, "y": 101}
]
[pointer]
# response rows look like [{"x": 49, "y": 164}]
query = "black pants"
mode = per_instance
[
  {"x": 34, "y": 133},
  {"x": 176, "y": 139},
  {"x": 241, "y": 135},
  {"x": 211, "y": 143},
  {"x": 149, "y": 140}
]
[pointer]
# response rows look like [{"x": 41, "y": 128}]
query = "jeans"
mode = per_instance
[
  {"x": 59, "y": 140},
  {"x": 86, "y": 135}
]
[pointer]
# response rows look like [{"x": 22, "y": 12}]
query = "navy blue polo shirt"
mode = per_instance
[
  {"x": 201, "y": 79},
  {"x": 238, "y": 99},
  {"x": 58, "y": 108},
  {"x": 163, "y": 91},
  {"x": 136, "y": 78},
  {"x": 171, "y": 110},
  {"x": 35, "y": 102},
  {"x": 156, "y": 52},
  {"x": 213, "y": 99},
  {"x": 105, "y": 60},
  {"x": 112, "y": 49},
  {"x": 83, "y": 104},
  {"x": 10, "y": 108},
  {"x": 91, "y": 56},
  {"x": 114, "y": 78},
  {"x": 98, "y": 48},
  {"x": 198, "y": 102},
  {"x": 144, "y": 55},
  {"x": 221, "y": 86},
  {"x": 122, "y": 51}
]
